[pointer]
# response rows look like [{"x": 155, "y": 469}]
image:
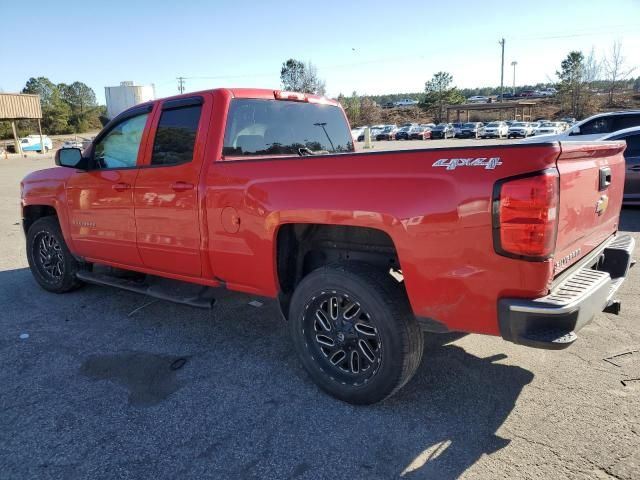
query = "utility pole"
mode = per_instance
[
  {"x": 513, "y": 64},
  {"x": 181, "y": 84},
  {"x": 501, "y": 42}
]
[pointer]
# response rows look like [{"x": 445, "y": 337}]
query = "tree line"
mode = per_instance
[
  {"x": 580, "y": 80},
  {"x": 66, "y": 108}
]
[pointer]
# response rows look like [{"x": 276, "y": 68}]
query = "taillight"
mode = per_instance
[{"x": 525, "y": 214}]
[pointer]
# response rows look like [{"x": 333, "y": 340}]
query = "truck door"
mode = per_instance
[
  {"x": 100, "y": 200},
  {"x": 166, "y": 191}
]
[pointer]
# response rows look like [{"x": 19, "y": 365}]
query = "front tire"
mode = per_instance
[
  {"x": 51, "y": 263},
  {"x": 354, "y": 332}
]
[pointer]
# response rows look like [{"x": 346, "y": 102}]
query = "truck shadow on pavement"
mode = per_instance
[{"x": 240, "y": 405}]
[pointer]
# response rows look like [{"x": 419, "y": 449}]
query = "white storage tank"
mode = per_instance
[{"x": 127, "y": 95}]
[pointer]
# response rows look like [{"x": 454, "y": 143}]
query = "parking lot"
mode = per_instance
[
  {"x": 102, "y": 383},
  {"x": 435, "y": 143}
]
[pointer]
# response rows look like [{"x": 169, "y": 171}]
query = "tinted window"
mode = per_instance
[
  {"x": 176, "y": 136},
  {"x": 633, "y": 146},
  {"x": 598, "y": 125},
  {"x": 276, "y": 127},
  {"x": 626, "y": 121},
  {"x": 119, "y": 148}
]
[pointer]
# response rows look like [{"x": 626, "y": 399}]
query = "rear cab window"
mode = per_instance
[
  {"x": 176, "y": 135},
  {"x": 261, "y": 127}
]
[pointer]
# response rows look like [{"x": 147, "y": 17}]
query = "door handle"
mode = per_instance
[
  {"x": 635, "y": 168},
  {"x": 120, "y": 187},
  {"x": 181, "y": 186}
]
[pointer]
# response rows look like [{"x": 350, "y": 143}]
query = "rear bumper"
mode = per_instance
[{"x": 551, "y": 322}]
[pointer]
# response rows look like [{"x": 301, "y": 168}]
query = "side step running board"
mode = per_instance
[{"x": 198, "y": 296}]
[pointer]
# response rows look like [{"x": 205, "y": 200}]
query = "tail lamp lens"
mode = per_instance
[{"x": 525, "y": 216}]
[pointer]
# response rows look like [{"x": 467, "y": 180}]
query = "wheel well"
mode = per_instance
[
  {"x": 302, "y": 248},
  {"x": 31, "y": 213}
]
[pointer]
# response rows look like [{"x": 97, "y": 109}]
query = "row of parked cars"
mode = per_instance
[
  {"x": 495, "y": 129},
  {"x": 542, "y": 93}
]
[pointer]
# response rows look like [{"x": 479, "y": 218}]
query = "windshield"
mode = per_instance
[
  {"x": 520, "y": 124},
  {"x": 494, "y": 124},
  {"x": 547, "y": 124},
  {"x": 469, "y": 125},
  {"x": 276, "y": 127}
]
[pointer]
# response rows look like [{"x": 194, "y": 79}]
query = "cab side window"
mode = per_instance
[
  {"x": 626, "y": 121},
  {"x": 119, "y": 148},
  {"x": 597, "y": 125},
  {"x": 176, "y": 135},
  {"x": 633, "y": 146}
]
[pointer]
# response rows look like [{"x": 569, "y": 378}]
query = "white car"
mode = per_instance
[
  {"x": 520, "y": 129},
  {"x": 406, "y": 102},
  {"x": 548, "y": 128},
  {"x": 593, "y": 128},
  {"x": 496, "y": 129},
  {"x": 356, "y": 132},
  {"x": 73, "y": 144},
  {"x": 478, "y": 99}
]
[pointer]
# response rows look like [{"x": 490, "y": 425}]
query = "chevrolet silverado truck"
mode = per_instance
[{"x": 261, "y": 191}]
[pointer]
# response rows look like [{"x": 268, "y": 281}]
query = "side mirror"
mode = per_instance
[
  {"x": 575, "y": 131},
  {"x": 70, "y": 157}
]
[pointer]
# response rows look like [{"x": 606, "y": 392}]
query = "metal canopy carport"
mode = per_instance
[
  {"x": 526, "y": 110},
  {"x": 21, "y": 106}
]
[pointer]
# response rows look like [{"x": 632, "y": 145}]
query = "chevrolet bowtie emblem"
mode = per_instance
[{"x": 602, "y": 204}]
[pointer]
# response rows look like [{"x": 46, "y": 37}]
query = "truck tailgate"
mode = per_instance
[{"x": 591, "y": 188}]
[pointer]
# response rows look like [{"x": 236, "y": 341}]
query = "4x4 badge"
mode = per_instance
[{"x": 453, "y": 163}]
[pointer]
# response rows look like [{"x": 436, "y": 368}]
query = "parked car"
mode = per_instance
[
  {"x": 373, "y": 132},
  {"x": 31, "y": 143},
  {"x": 388, "y": 105},
  {"x": 488, "y": 240},
  {"x": 548, "y": 128},
  {"x": 406, "y": 102},
  {"x": 457, "y": 127},
  {"x": 443, "y": 130},
  {"x": 496, "y": 129},
  {"x": 403, "y": 133},
  {"x": 478, "y": 99},
  {"x": 506, "y": 96},
  {"x": 520, "y": 129},
  {"x": 419, "y": 133},
  {"x": 387, "y": 133},
  {"x": 595, "y": 127},
  {"x": 527, "y": 93},
  {"x": 356, "y": 132},
  {"x": 632, "y": 163},
  {"x": 471, "y": 130},
  {"x": 73, "y": 144}
]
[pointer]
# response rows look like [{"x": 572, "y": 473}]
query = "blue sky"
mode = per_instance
[{"x": 371, "y": 47}]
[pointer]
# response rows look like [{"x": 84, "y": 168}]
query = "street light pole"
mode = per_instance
[
  {"x": 501, "y": 42},
  {"x": 513, "y": 64}
]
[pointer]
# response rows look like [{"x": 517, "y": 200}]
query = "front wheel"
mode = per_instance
[
  {"x": 354, "y": 332},
  {"x": 51, "y": 263}
]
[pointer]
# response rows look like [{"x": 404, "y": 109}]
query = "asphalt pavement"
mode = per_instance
[{"x": 103, "y": 384}]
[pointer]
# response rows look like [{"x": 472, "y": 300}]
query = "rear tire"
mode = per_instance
[
  {"x": 51, "y": 263},
  {"x": 354, "y": 332}
]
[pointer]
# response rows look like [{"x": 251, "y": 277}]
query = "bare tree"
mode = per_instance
[
  {"x": 592, "y": 69},
  {"x": 615, "y": 69}
]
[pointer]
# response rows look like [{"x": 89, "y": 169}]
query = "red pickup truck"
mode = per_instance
[{"x": 261, "y": 191}]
